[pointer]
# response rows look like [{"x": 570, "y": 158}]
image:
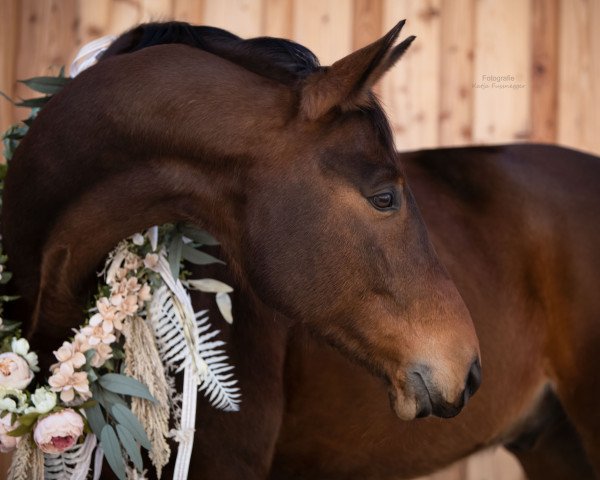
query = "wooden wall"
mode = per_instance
[
  {"x": 435, "y": 96},
  {"x": 549, "y": 46}
]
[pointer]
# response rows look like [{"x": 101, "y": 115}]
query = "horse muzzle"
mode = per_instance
[{"x": 420, "y": 397}]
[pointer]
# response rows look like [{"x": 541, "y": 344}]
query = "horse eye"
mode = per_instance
[{"x": 382, "y": 201}]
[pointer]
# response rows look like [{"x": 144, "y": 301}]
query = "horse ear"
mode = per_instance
[{"x": 347, "y": 82}]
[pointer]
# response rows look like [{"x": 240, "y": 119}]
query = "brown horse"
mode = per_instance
[
  {"x": 518, "y": 227},
  {"x": 292, "y": 167}
]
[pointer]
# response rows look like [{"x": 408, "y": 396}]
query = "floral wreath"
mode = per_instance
[{"x": 102, "y": 400}]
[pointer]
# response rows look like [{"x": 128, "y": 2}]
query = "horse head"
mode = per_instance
[{"x": 294, "y": 170}]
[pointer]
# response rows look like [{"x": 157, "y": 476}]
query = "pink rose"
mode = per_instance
[
  {"x": 59, "y": 431},
  {"x": 7, "y": 443},
  {"x": 14, "y": 371}
]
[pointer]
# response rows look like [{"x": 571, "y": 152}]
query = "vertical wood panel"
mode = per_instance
[
  {"x": 277, "y": 18},
  {"x": 411, "y": 89},
  {"x": 48, "y": 34},
  {"x": 94, "y": 18},
  {"x": 123, "y": 15},
  {"x": 503, "y": 46},
  {"x": 189, "y": 10},
  {"x": 156, "y": 10},
  {"x": 324, "y": 26},
  {"x": 9, "y": 37},
  {"x": 367, "y": 22},
  {"x": 579, "y": 97},
  {"x": 242, "y": 17},
  {"x": 544, "y": 76},
  {"x": 456, "y": 76}
]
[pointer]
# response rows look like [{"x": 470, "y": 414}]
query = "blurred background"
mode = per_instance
[{"x": 445, "y": 91}]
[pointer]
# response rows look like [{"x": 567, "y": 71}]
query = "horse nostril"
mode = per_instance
[{"x": 473, "y": 380}]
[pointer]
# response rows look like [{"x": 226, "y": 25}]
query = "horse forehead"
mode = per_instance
[{"x": 364, "y": 143}]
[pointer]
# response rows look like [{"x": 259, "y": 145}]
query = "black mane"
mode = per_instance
[{"x": 276, "y": 58}]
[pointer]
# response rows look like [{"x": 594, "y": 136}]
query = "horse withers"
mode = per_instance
[{"x": 291, "y": 165}]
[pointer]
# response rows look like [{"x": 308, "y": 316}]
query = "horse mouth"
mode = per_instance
[
  {"x": 412, "y": 399},
  {"x": 422, "y": 396},
  {"x": 417, "y": 398}
]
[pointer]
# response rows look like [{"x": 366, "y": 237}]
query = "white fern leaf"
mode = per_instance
[
  {"x": 175, "y": 347},
  {"x": 217, "y": 384},
  {"x": 184, "y": 344},
  {"x": 73, "y": 464}
]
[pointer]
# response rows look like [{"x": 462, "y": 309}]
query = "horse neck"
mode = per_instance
[{"x": 113, "y": 209}]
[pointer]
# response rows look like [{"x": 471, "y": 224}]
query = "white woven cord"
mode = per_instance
[
  {"x": 187, "y": 424},
  {"x": 88, "y": 54}
]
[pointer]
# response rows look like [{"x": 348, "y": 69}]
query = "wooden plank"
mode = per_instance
[
  {"x": 324, "y": 26},
  {"x": 411, "y": 90},
  {"x": 503, "y": 49},
  {"x": 277, "y": 19},
  {"x": 579, "y": 80},
  {"x": 156, "y": 10},
  {"x": 544, "y": 76},
  {"x": 191, "y": 11},
  {"x": 368, "y": 20},
  {"x": 10, "y": 13},
  {"x": 47, "y": 40},
  {"x": 123, "y": 16},
  {"x": 242, "y": 17},
  {"x": 94, "y": 18},
  {"x": 456, "y": 81}
]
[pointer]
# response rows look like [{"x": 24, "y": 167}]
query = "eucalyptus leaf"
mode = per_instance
[
  {"x": 95, "y": 418},
  {"x": 131, "y": 447},
  {"x": 111, "y": 399},
  {"x": 224, "y": 304},
  {"x": 126, "y": 418},
  {"x": 174, "y": 257},
  {"x": 198, "y": 235},
  {"x": 48, "y": 85},
  {"x": 89, "y": 355},
  {"x": 117, "y": 383},
  {"x": 197, "y": 257},
  {"x": 92, "y": 377},
  {"x": 112, "y": 451},
  {"x": 33, "y": 102}
]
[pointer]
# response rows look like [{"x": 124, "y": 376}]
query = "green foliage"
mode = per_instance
[
  {"x": 112, "y": 451},
  {"x": 122, "y": 384}
]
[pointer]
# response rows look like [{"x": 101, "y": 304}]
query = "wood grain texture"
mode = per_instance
[
  {"x": 242, "y": 17},
  {"x": 579, "y": 77},
  {"x": 368, "y": 22},
  {"x": 411, "y": 89},
  {"x": 457, "y": 71},
  {"x": 324, "y": 26},
  {"x": 502, "y": 49},
  {"x": 9, "y": 38},
  {"x": 277, "y": 20},
  {"x": 544, "y": 70}
]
